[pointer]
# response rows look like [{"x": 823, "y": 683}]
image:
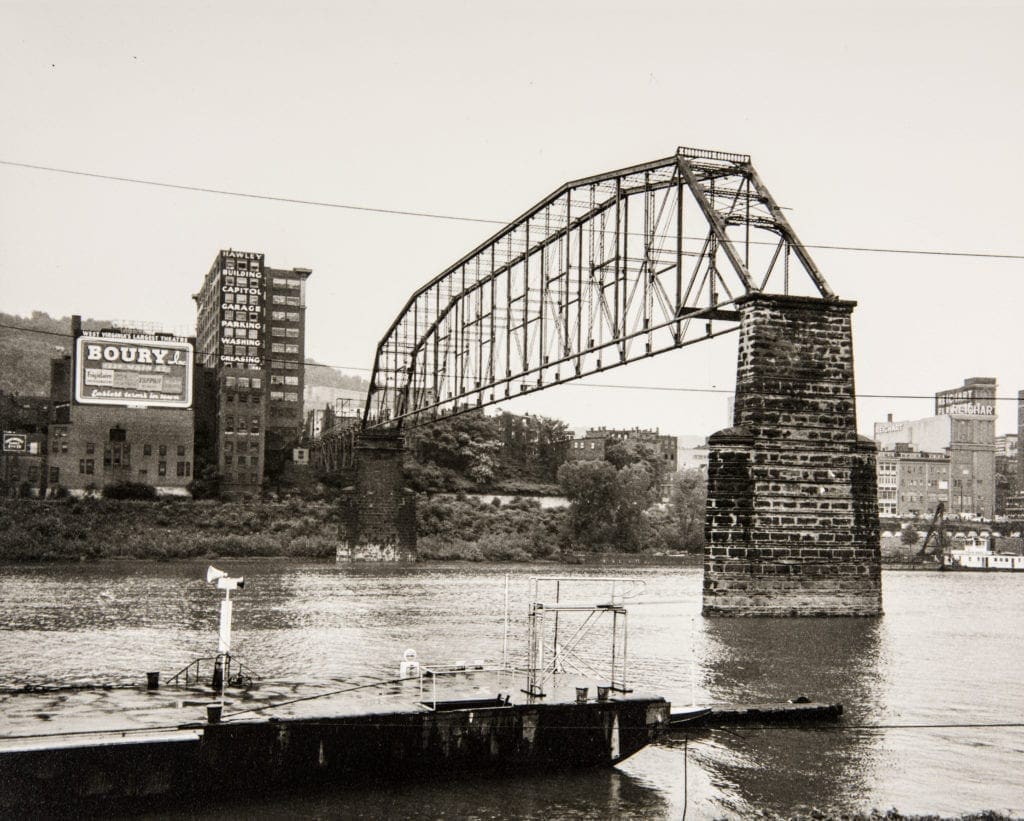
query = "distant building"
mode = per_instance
[
  {"x": 251, "y": 338},
  {"x": 122, "y": 412},
  {"x": 961, "y": 434},
  {"x": 23, "y": 422},
  {"x": 594, "y": 445}
]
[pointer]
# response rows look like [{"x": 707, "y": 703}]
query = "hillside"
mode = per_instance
[{"x": 27, "y": 344}]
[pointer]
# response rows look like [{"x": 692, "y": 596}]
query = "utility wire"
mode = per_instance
[
  {"x": 575, "y": 384},
  {"x": 460, "y": 218}
]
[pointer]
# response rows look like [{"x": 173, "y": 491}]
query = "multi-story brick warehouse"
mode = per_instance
[
  {"x": 251, "y": 343},
  {"x": 955, "y": 448},
  {"x": 122, "y": 412}
]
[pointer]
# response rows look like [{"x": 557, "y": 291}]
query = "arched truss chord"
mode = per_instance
[{"x": 605, "y": 271}]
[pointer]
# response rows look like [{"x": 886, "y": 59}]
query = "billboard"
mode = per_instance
[
  {"x": 133, "y": 370},
  {"x": 15, "y": 442}
]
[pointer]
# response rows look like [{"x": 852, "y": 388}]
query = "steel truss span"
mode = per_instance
[{"x": 605, "y": 271}]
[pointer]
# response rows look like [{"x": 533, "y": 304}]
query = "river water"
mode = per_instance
[{"x": 947, "y": 654}]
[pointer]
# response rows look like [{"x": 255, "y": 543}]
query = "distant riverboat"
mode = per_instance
[{"x": 976, "y": 554}]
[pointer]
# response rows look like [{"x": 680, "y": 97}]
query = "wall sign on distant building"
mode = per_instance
[
  {"x": 968, "y": 409},
  {"x": 133, "y": 371},
  {"x": 888, "y": 427},
  {"x": 15, "y": 442}
]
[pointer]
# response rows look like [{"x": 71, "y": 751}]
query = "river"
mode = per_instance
[{"x": 947, "y": 654}]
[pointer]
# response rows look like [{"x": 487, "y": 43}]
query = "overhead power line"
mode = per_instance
[
  {"x": 457, "y": 217},
  {"x": 574, "y": 384}
]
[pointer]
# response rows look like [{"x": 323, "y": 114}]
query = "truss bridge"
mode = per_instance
[{"x": 602, "y": 272}]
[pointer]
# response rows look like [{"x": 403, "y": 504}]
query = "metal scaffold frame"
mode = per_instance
[
  {"x": 605, "y": 271},
  {"x": 555, "y": 646}
]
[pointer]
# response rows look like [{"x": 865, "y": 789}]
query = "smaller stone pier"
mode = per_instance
[{"x": 378, "y": 512}]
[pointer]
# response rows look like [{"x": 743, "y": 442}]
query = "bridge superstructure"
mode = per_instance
[{"x": 604, "y": 271}]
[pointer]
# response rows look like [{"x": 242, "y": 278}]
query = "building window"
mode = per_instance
[
  {"x": 277, "y": 331},
  {"x": 291, "y": 348},
  {"x": 276, "y": 395},
  {"x": 33, "y": 473},
  {"x": 292, "y": 300},
  {"x": 255, "y": 426},
  {"x": 278, "y": 299},
  {"x": 163, "y": 450},
  {"x": 243, "y": 381},
  {"x": 161, "y": 469},
  {"x": 254, "y": 317},
  {"x": 291, "y": 380},
  {"x": 229, "y": 425},
  {"x": 257, "y": 383},
  {"x": 229, "y": 446},
  {"x": 254, "y": 299},
  {"x": 90, "y": 448},
  {"x": 291, "y": 396},
  {"x": 118, "y": 434},
  {"x": 230, "y": 381},
  {"x": 147, "y": 449},
  {"x": 181, "y": 450},
  {"x": 241, "y": 461},
  {"x": 181, "y": 468},
  {"x": 293, "y": 316},
  {"x": 293, "y": 333},
  {"x": 278, "y": 315},
  {"x": 54, "y": 475}
]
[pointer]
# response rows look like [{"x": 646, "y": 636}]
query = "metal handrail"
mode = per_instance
[{"x": 244, "y": 676}]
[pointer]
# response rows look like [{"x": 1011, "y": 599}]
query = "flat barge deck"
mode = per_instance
[{"x": 75, "y": 750}]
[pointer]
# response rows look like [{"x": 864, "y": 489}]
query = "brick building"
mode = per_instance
[
  {"x": 122, "y": 412},
  {"x": 251, "y": 341},
  {"x": 959, "y": 442}
]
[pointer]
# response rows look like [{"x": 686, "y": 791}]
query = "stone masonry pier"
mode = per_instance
[
  {"x": 792, "y": 517},
  {"x": 378, "y": 513}
]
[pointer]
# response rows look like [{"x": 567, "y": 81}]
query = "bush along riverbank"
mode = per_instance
[
  {"x": 449, "y": 528},
  {"x": 75, "y": 529}
]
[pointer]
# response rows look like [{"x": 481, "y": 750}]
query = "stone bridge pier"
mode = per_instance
[
  {"x": 378, "y": 512},
  {"x": 792, "y": 515}
]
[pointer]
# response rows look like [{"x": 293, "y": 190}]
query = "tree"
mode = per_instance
[
  {"x": 689, "y": 504},
  {"x": 909, "y": 536},
  {"x": 590, "y": 489}
]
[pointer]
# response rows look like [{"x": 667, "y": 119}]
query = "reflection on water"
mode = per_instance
[{"x": 948, "y": 650}]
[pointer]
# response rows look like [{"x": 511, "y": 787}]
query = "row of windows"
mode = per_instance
[
  {"x": 232, "y": 263},
  {"x": 291, "y": 333},
  {"x": 239, "y": 350},
  {"x": 280, "y": 299},
  {"x": 253, "y": 478},
  {"x": 241, "y": 316},
  {"x": 243, "y": 382},
  {"x": 241, "y": 460},
  {"x": 87, "y": 467},
  {"x": 287, "y": 365},
  {"x": 283, "y": 347},
  {"x": 243, "y": 397},
  {"x": 277, "y": 379},
  {"x": 286, "y": 396},
  {"x": 243, "y": 424},
  {"x": 241, "y": 446},
  {"x": 290, "y": 316},
  {"x": 242, "y": 299},
  {"x": 241, "y": 333},
  {"x": 242, "y": 282},
  {"x": 287, "y": 282}
]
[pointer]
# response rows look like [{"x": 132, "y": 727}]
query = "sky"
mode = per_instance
[{"x": 885, "y": 125}]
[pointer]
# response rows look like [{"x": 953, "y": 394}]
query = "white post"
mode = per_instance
[
  {"x": 504, "y": 643},
  {"x": 693, "y": 668},
  {"x": 224, "y": 641}
]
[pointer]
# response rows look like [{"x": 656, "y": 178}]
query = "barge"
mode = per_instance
[{"x": 81, "y": 750}]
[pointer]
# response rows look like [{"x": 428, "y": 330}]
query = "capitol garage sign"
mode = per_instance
[{"x": 133, "y": 370}]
